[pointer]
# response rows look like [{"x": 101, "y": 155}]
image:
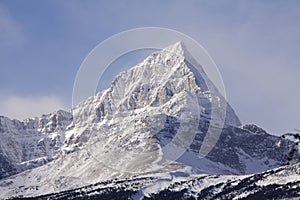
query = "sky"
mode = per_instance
[{"x": 255, "y": 45}]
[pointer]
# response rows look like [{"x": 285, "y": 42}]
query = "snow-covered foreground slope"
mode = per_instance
[
  {"x": 280, "y": 183},
  {"x": 126, "y": 130}
]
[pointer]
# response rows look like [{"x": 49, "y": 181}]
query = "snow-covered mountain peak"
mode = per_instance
[
  {"x": 177, "y": 48},
  {"x": 161, "y": 83},
  {"x": 164, "y": 83}
]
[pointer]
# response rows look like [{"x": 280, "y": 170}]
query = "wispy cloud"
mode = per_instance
[{"x": 24, "y": 107}]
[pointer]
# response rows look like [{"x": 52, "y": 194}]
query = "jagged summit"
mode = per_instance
[
  {"x": 178, "y": 48},
  {"x": 160, "y": 80},
  {"x": 182, "y": 52}
]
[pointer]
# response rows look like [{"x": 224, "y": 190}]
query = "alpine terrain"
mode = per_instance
[{"x": 148, "y": 136}]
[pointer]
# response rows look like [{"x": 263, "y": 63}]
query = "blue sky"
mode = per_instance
[{"x": 255, "y": 44}]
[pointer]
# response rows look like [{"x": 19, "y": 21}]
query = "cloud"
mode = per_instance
[
  {"x": 24, "y": 107},
  {"x": 11, "y": 32}
]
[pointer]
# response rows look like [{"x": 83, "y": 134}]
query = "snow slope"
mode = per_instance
[{"x": 280, "y": 183}]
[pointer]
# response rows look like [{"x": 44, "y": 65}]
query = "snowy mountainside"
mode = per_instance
[
  {"x": 80, "y": 168},
  {"x": 32, "y": 142},
  {"x": 124, "y": 130},
  {"x": 280, "y": 183}
]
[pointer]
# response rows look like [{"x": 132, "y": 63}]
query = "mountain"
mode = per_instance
[{"x": 158, "y": 117}]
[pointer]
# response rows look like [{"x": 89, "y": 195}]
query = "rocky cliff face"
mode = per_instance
[{"x": 32, "y": 142}]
